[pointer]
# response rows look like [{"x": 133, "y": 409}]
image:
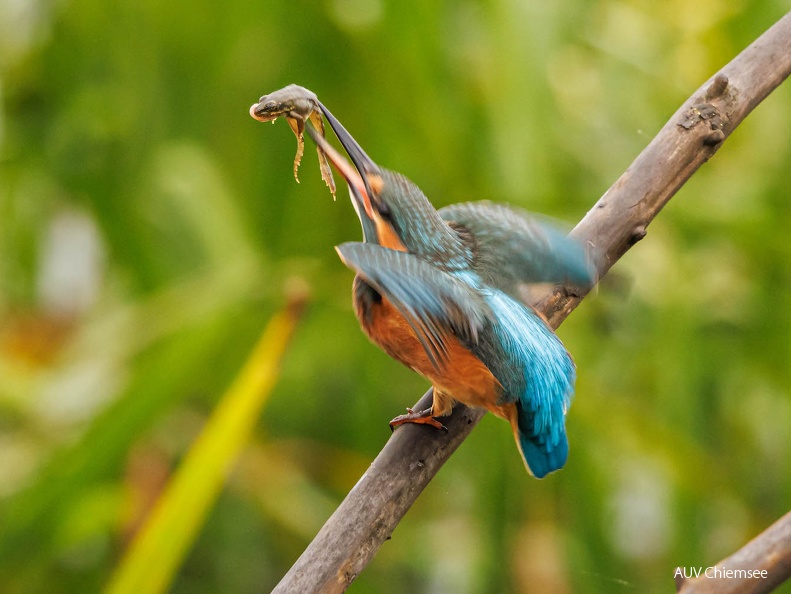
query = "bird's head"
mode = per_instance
[{"x": 393, "y": 211}]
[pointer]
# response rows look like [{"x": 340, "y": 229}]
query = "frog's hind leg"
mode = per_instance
[
  {"x": 324, "y": 165},
  {"x": 298, "y": 128}
]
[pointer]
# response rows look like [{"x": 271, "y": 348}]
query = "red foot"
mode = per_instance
[{"x": 422, "y": 417}]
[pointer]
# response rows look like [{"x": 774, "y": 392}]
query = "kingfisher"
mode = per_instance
[{"x": 441, "y": 291}]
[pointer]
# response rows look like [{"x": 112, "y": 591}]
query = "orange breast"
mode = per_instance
[{"x": 463, "y": 377}]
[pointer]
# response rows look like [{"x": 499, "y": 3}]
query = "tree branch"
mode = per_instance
[
  {"x": 413, "y": 455},
  {"x": 770, "y": 551}
]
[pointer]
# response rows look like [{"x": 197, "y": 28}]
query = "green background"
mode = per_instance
[{"x": 149, "y": 228}]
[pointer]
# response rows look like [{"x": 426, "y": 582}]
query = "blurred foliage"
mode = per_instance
[
  {"x": 148, "y": 227},
  {"x": 162, "y": 541}
]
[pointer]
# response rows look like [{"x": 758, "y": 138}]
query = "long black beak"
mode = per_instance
[
  {"x": 361, "y": 160},
  {"x": 364, "y": 164}
]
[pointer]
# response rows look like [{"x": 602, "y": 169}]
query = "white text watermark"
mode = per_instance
[{"x": 719, "y": 572}]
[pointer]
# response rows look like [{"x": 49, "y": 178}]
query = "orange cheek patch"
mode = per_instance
[{"x": 387, "y": 236}]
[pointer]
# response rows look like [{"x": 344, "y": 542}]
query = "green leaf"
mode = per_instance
[{"x": 162, "y": 543}]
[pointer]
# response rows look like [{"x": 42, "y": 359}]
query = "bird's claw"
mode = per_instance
[{"x": 423, "y": 417}]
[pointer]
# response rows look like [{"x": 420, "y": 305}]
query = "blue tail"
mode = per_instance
[
  {"x": 540, "y": 454},
  {"x": 537, "y": 375}
]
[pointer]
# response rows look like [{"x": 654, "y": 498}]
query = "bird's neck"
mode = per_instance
[
  {"x": 422, "y": 231},
  {"x": 425, "y": 234}
]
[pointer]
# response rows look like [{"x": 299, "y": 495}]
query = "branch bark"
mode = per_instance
[{"x": 413, "y": 455}]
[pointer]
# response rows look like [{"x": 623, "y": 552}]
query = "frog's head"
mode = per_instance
[
  {"x": 267, "y": 110},
  {"x": 293, "y": 101}
]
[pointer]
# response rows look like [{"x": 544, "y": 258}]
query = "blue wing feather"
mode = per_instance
[
  {"x": 514, "y": 247},
  {"x": 434, "y": 302}
]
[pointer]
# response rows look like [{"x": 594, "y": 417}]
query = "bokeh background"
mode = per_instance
[{"x": 149, "y": 228}]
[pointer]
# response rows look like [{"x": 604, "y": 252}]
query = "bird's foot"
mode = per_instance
[{"x": 423, "y": 417}]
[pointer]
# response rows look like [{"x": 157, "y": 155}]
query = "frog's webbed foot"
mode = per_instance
[
  {"x": 324, "y": 165},
  {"x": 297, "y": 125}
]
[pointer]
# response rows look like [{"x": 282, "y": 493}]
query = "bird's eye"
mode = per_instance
[{"x": 383, "y": 209}]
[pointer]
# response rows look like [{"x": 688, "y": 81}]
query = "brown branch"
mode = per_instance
[
  {"x": 413, "y": 455},
  {"x": 769, "y": 553}
]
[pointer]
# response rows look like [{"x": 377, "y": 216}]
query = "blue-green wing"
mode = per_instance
[
  {"x": 514, "y": 247},
  {"x": 433, "y": 302}
]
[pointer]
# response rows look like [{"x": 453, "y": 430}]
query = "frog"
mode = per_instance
[{"x": 297, "y": 104}]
